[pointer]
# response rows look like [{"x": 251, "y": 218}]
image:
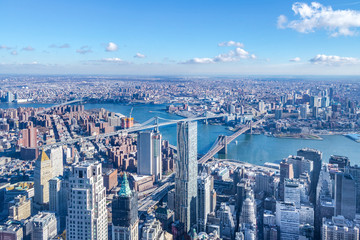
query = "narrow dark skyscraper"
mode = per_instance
[
  {"x": 125, "y": 213},
  {"x": 186, "y": 175},
  {"x": 345, "y": 196}
]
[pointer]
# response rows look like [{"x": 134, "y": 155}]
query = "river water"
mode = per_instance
[{"x": 256, "y": 149}]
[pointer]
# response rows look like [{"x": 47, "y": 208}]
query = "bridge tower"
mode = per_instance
[
  {"x": 251, "y": 127},
  {"x": 223, "y": 141},
  {"x": 206, "y": 117}
]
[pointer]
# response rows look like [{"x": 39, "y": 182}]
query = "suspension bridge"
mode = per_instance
[
  {"x": 220, "y": 145},
  {"x": 153, "y": 122},
  {"x": 61, "y": 104}
]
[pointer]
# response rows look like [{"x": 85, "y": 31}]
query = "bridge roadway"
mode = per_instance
[
  {"x": 134, "y": 129},
  {"x": 60, "y": 104},
  {"x": 224, "y": 140}
]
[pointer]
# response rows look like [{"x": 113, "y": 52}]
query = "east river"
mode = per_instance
[{"x": 256, "y": 149}]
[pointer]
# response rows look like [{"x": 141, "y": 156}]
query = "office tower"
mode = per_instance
[
  {"x": 303, "y": 111},
  {"x": 315, "y": 156},
  {"x": 56, "y": 156},
  {"x": 345, "y": 196},
  {"x": 278, "y": 113},
  {"x": 186, "y": 175},
  {"x": 288, "y": 220},
  {"x": 241, "y": 189},
  {"x": 204, "y": 200},
  {"x": 152, "y": 230},
  {"x": 149, "y": 154},
  {"x": 261, "y": 107},
  {"x": 248, "y": 212},
  {"x": 354, "y": 171},
  {"x": 87, "y": 213},
  {"x": 341, "y": 161},
  {"x": 125, "y": 213},
  {"x": 292, "y": 192},
  {"x": 227, "y": 225},
  {"x": 338, "y": 227},
  {"x": 286, "y": 171},
  {"x": 300, "y": 165},
  {"x": 43, "y": 226},
  {"x": 29, "y": 136},
  {"x": 324, "y": 207},
  {"x": 9, "y": 97},
  {"x": 58, "y": 198},
  {"x": 20, "y": 208},
  {"x": 42, "y": 175}
]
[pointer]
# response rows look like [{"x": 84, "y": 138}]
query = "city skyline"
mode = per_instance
[{"x": 186, "y": 38}]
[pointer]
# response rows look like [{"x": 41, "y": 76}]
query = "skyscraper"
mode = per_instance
[
  {"x": 315, "y": 156},
  {"x": 42, "y": 176},
  {"x": 186, "y": 175},
  {"x": 87, "y": 213},
  {"x": 125, "y": 213},
  {"x": 149, "y": 154},
  {"x": 204, "y": 200},
  {"x": 345, "y": 196}
]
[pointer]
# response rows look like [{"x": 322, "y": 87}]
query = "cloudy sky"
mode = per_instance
[{"x": 255, "y": 37}]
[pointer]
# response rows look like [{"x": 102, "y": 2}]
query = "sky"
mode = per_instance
[{"x": 180, "y": 37}]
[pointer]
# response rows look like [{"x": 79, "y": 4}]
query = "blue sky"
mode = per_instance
[{"x": 244, "y": 37}]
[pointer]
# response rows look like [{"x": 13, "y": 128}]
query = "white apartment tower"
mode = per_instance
[
  {"x": 149, "y": 154},
  {"x": 87, "y": 214}
]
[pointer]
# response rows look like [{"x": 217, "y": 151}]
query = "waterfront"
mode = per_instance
[{"x": 255, "y": 149}]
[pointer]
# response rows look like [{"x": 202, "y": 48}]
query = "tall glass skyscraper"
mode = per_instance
[{"x": 186, "y": 175}]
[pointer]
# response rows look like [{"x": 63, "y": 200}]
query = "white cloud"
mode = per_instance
[
  {"x": 65, "y": 45},
  {"x": 4, "y": 47},
  {"x": 14, "y": 53},
  {"x": 297, "y": 59},
  {"x": 28, "y": 48},
  {"x": 84, "y": 50},
  {"x": 317, "y": 16},
  {"x": 139, "y": 55},
  {"x": 234, "y": 55},
  {"x": 230, "y": 44},
  {"x": 112, "y": 60},
  {"x": 111, "y": 47},
  {"x": 333, "y": 60}
]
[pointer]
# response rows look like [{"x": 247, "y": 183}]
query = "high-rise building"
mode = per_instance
[
  {"x": 9, "y": 97},
  {"x": 56, "y": 156},
  {"x": 152, "y": 230},
  {"x": 300, "y": 165},
  {"x": 29, "y": 136},
  {"x": 42, "y": 175},
  {"x": 87, "y": 213},
  {"x": 227, "y": 225},
  {"x": 204, "y": 200},
  {"x": 125, "y": 213},
  {"x": 354, "y": 171},
  {"x": 339, "y": 227},
  {"x": 43, "y": 226},
  {"x": 20, "y": 208},
  {"x": 292, "y": 192},
  {"x": 341, "y": 161},
  {"x": 286, "y": 172},
  {"x": 288, "y": 220},
  {"x": 345, "y": 196},
  {"x": 58, "y": 198},
  {"x": 149, "y": 154},
  {"x": 315, "y": 156},
  {"x": 304, "y": 111},
  {"x": 186, "y": 175}
]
